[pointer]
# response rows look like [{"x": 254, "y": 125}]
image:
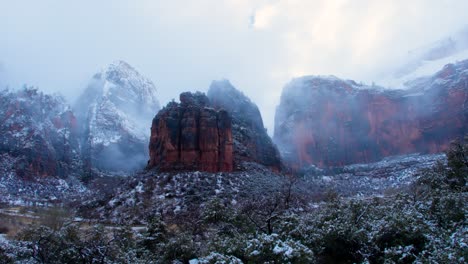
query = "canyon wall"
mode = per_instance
[{"x": 325, "y": 121}]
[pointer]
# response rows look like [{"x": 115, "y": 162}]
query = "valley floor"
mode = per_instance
[{"x": 343, "y": 215}]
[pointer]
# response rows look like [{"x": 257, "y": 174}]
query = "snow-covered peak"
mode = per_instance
[
  {"x": 119, "y": 78},
  {"x": 120, "y": 87},
  {"x": 120, "y": 66},
  {"x": 116, "y": 109}
]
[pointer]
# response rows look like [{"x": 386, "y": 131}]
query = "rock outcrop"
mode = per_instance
[
  {"x": 115, "y": 113},
  {"x": 326, "y": 121},
  {"x": 191, "y": 136},
  {"x": 251, "y": 141},
  {"x": 39, "y": 134}
]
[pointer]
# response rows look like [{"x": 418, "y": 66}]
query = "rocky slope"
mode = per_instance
[
  {"x": 177, "y": 194},
  {"x": 251, "y": 141},
  {"x": 115, "y": 114},
  {"x": 39, "y": 148},
  {"x": 39, "y": 132},
  {"x": 191, "y": 136},
  {"x": 326, "y": 121}
]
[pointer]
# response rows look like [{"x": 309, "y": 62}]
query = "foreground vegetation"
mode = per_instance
[{"x": 424, "y": 223}]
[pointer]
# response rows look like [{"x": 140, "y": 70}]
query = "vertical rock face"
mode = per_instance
[
  {"x": 38, "y": 133},
  {"x": 115, "y": 114},
  {"x": 252, "y": 143},
  {"x": 191, "y": 136},
  {"x": 326, "y": 121}
]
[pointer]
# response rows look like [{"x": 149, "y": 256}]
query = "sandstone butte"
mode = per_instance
[{"x": 191, "y": 135}]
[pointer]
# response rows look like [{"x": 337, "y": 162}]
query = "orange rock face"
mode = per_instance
[
  {"x": 325, "y": 121},
  {"x": 191, "y": 136}
]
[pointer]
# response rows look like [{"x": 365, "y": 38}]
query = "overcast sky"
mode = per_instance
[{"x": 181, "y": 46}]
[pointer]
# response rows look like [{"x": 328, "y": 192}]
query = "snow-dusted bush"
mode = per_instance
[
  {"x": 216, "y": 258},
  {"x": 14, "y": 252},
  {"x": 272, "y": 249}
]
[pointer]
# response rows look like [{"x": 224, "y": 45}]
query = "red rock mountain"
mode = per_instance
[
  {"x": 191, "y": 136},
  {"x": 38, "y": 135},
  {"x": 326, "y": 121}
]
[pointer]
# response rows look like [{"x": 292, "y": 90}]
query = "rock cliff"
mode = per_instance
[
  {"x": 191, "y": 135},
  {"x": 326, "y": 121}
]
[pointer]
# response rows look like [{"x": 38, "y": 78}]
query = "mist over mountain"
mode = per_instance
[
  {"x": 221, "y": 131},
  {"x": 248, "y": 127},
  {"x": 58, "y": 49},
  {"x": 425, "y": 60},
  {"x": 115, "y": 112},
  {"x": 443, "y": 48},
  {"x": 326, "y": 121}
]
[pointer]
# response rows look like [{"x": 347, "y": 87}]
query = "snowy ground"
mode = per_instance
[{"x": 373, "y": 178}]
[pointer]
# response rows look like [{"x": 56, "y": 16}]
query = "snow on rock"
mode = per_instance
[
  {"x": 39, "y": 135},
  {"x": 174, "y": 193},
  {"x": 116, "y": 111},
  {"x": 41, "y": 191}
]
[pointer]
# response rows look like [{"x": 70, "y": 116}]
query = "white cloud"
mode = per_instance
[{"x": 264, "y": 16}]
